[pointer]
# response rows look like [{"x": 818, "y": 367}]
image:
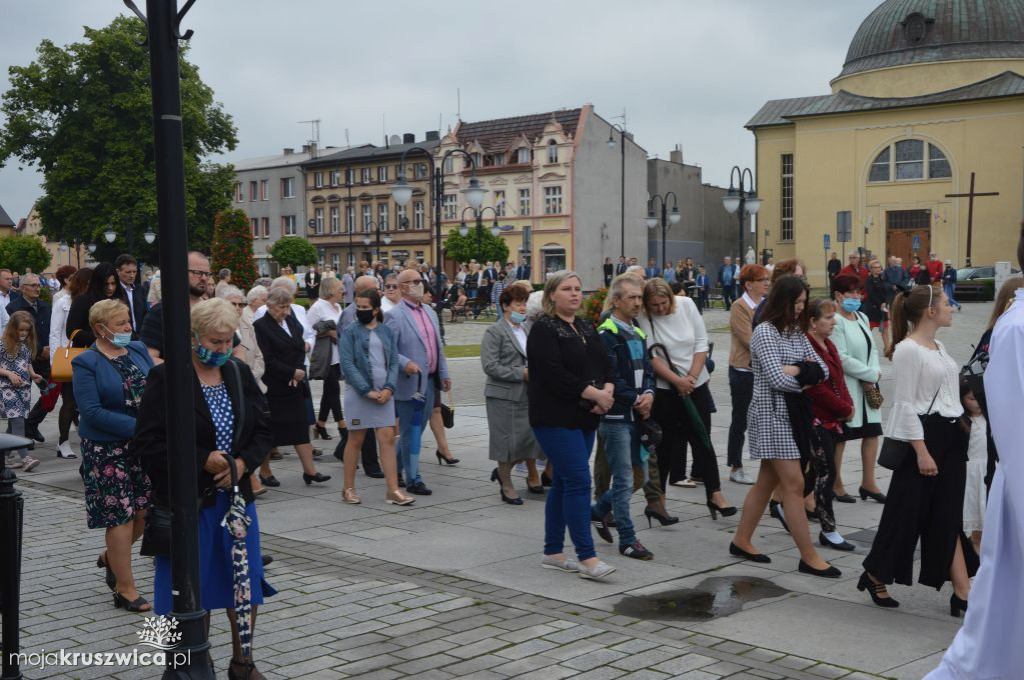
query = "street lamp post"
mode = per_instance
[
  {"x": 464, "y": 230},
  {"x": 741, "y": 200},
  {"x": 351, "y": 223},
  {"x": 402, "y": 193},
  {"x": 367, "y": 240},
  {"x": 667, "y": 218},
  {"x": 622, "y": 181}
]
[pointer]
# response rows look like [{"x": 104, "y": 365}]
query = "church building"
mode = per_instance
[{"x": 928, "y": 109}]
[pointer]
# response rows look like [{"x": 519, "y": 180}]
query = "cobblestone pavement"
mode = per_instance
[{"x": 451, "y": 587}]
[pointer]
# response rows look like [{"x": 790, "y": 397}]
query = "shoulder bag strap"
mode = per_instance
[{"x": 236, "y": 379}]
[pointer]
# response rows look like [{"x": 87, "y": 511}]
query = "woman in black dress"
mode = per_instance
[
  {"x": 609, "y": 271},
  {"x": 103, "y": 285},
  {"x": 279, "y": 336},
  {"x": 876, "y": 297}
]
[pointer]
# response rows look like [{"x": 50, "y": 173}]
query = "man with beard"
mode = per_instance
[{"x": 152, "y": 332}]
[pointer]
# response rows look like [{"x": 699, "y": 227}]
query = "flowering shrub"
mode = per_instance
[{"x": 593, "y": 305}]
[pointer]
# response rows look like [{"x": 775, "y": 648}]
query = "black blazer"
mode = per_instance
[
  {"x": 138, "y": 304},
  {"x": 281, "y": 354},
  {"x": 150, "y": 443}
]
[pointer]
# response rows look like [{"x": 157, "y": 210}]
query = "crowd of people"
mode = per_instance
[{"x": 803, "y": 375}]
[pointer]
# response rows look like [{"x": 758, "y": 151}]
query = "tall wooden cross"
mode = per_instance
[{"x": 970, "y": 213}]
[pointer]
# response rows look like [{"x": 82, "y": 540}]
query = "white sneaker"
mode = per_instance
[
  {"x": 28, "y": 463},
  {"x": 741, "y": 477},
  {"x": 597, "y": 572},
  {"x": 64, "y": 450},
  {"x": 13, "y": 462},
  {"x": 548, "y": 562}
]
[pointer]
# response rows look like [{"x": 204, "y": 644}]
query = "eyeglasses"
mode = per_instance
[
  {"x": 240, "y": 305},
  {"x": 200, "y": 273},
  {"x": 391, "y": 286}
]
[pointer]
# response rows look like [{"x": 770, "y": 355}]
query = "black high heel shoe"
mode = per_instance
[
  {"x": 827, "y": 572},
  {"x": 663, "y": 520},
  {"x": 309, "y": 479},
  {"x": 535, "y": 489},
  {"x": 873, "y": 495},
  {"x": 494, "y": 476},
  {"x": 956, "y": 606},
  {"x": 269, "y": 481},
  {"x": 321, "y": 433},
  {"x": 510, "y": 501},
  {"x": 136, "y": 605},
  {"x": 246, "y": 670},
  {"x": 110, "y": 578},
  {"x": 774, "y": 511},
  {"x": 865, "y": 583},
  {"x": 448, "y": 461},
  {"x": 726, "y": 512},
  {"x": 740, "y": 552},
  {"x": 845, "y": 545},
  {"x": 545, "y": 479}
]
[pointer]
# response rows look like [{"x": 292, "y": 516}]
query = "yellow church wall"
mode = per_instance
[
  {"x": 918, "y": 79},
  {"x": 832, "y": 155}
]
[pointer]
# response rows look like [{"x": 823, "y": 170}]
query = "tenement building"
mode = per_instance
[{"x": 928, "y": 108}]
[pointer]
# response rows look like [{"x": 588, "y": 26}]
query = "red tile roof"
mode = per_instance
[{"x": 498, "y": 134}]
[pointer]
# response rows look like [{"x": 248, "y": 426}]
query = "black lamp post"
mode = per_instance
[
  {"x": 12, "y": 512},
  {"x": 163, "y": 23},
  {"x": 351, "y": 223},
  {"x": 402, "y": 193},
  {"x": 667, "y": 218},
  {"x": 464, "y": 230},
  {"x": 742, "y": 200},
  {"x": 367, "y": 240},
  {"x": 622, "y": 179}
]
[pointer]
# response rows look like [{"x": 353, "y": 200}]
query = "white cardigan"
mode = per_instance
[{"x": 683, "y": 334}]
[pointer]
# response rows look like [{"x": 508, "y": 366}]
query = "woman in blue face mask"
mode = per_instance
[
  {"x": 108, "y": 383},
  {"x": 854, "y": 341},
  {"x": 503, "y": 356}
]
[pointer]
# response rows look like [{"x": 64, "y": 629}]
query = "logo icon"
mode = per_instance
[{"x": 159, "y": 632}]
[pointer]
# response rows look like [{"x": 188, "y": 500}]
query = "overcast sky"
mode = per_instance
[{"x": 686, "y": 72}]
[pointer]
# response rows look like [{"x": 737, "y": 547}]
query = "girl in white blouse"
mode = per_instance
[{"x": 926, "y": 494}]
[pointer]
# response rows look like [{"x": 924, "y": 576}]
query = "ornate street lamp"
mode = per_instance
[
  {"x": 464, "y": 230},
  {"x": 671, "y": 217},
  {"x": 110, "y": 234},
  {"x": 742, "y": 200},
  {"x": 149, "y": 236}
]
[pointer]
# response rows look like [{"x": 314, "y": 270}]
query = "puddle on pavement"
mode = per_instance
[{"x": 712, "y": 598}]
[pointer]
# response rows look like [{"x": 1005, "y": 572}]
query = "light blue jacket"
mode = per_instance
[
  {"x": 354, "y": 355},
  {"x": 411, "y": 347}
]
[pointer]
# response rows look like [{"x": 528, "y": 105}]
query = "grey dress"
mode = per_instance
[
  {"x": 503, "y": 359},
  {"x": 362, "y": 413}
]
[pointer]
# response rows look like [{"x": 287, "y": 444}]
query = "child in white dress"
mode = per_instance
[{"x": 977, "y": 462}]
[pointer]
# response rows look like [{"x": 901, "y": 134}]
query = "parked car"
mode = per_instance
[{"x": 977, "y": 283}]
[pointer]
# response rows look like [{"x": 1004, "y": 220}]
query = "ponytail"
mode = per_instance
[{"x": 897, "y": 323}]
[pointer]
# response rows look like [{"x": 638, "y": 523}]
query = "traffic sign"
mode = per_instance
[
  {"x": 844, "y": 224},
  {"x": 828, "y": 240}
]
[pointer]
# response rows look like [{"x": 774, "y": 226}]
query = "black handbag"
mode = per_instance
[
  {"x": 448, "y": 412},
  {"x": 156, "y": 537},
  {"x": 895, "y": 451}
]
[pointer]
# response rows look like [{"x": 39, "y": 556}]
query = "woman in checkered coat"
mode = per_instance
[{"x": 784, "y": 364}]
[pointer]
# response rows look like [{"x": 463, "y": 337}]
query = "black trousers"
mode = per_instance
[
  {"x": 330, "y": 399},
  {"x": 929, "y": 509},
  {"x": 741, "y": 388},
  {"x": 38, "y": 413},
  {"x": 676, "y": 428}
]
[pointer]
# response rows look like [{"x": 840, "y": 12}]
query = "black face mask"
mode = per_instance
[{"x": 365, "y": 316}]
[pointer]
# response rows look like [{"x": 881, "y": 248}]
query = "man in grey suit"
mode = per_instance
[{"x": 421, "y": 357}]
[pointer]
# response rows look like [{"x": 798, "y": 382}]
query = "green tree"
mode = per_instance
[
  {"x": 465, "y": 248},
  {"x": 232, "y": 247},
  {"x": 83, "y": 115},
  {"x": 19, "y": 252},
  {"x": 293, "y": 251}
]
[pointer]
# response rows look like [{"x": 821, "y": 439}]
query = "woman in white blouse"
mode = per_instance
[
  {"x": 75, "y": 285},
  {"x": 852, "y": 337},
  {"x": 328, "y": 308},
  {"x": 926, "y": 494},
  {"x": 675, "y": 323}
]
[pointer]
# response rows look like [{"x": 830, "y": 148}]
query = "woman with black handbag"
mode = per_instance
[
  {"x": 230, "y": 426},
  {"x": 926, "y": 494}
]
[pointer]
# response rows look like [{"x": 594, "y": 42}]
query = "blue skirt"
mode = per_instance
[{"x": 216, "y": 577}]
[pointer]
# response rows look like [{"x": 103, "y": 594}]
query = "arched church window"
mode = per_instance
[
  {"x": 908, "y": 160},
  {"x": 552, "y": 151}
]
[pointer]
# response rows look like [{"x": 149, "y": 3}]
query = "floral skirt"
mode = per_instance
[{"x": 115, "y": 486}]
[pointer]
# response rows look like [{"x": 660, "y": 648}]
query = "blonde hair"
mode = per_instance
[
  {"x": 329, "y": 286},
  {"x": 215, "y": 315},
  {"x": 104, "y": 310},
  {"x": 1004, "y": 298},
  {"x": 552, "y": 285},
  {"x": 658, "y": 288}
]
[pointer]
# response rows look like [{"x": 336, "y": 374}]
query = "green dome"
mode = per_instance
[{"x": 903, "y": 32}]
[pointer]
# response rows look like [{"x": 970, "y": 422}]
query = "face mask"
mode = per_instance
[
  {"x": 119, "y": 339},
  {"x": 517, "y": 317},
  {"x": 208, "y": 357},
  {"x": 851, "y": 304},
  {"x": 364, "y": 316}
]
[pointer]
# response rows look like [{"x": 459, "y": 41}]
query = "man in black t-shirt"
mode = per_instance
[{"x": 152, "y": 332}]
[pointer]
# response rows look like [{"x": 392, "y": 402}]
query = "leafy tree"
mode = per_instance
[
  {"x": 293, "y": 251},
  {"x": 19, "y": 252},
  {"x": 464, "y": 248},
  {"x": 83, "y": 115},
  {"x": 232, "y": 247}
]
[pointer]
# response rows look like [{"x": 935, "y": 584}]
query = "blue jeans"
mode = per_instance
[
  {"x": 412, "y": 418},
  {"x": 948, "y": 290},
  {"x": 568, "y": 503},
  {"x": 621, "y": 439}
]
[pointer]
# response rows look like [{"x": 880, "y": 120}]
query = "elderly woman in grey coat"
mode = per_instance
[{"x": 503, "y": 356}]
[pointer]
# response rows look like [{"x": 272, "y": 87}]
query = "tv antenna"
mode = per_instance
[
  {"x": 314, "y": 130},
  {"x": 621, "y": 117}
]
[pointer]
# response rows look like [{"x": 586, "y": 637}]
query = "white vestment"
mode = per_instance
[{"x": 990, "y": 645}]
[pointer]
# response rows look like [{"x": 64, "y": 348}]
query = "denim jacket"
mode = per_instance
[{"x": 354, "y": 353}]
